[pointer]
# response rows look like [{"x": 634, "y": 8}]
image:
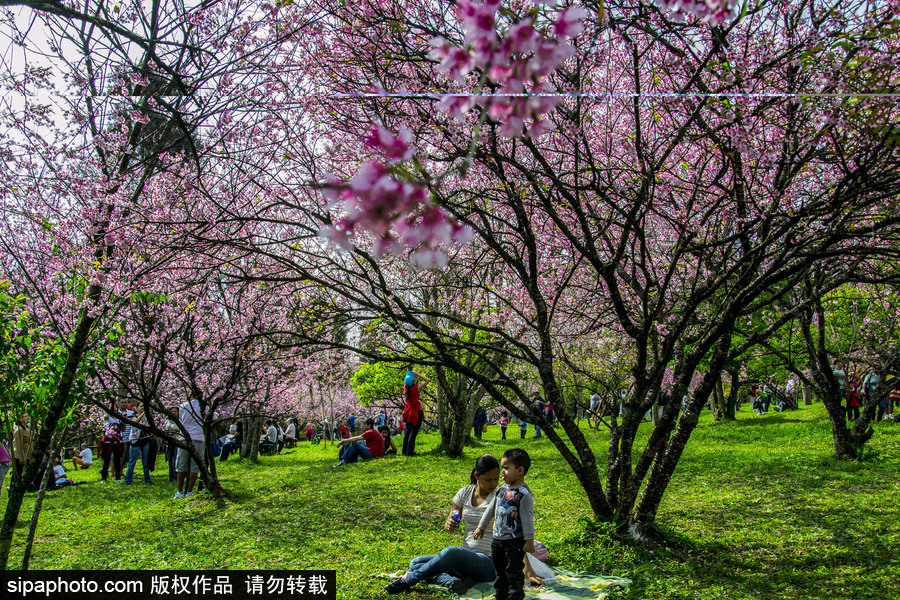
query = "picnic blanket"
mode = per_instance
[{"x": 564, "y": 585}]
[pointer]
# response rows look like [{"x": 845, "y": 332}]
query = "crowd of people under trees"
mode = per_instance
[{"x": 122, "y": 444}]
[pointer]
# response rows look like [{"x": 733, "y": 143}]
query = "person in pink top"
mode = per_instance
[{"x": 504, "y": 423}]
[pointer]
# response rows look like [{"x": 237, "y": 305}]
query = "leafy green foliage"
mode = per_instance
[
  {"x": 32, "y": 361},
  {"x": 377, "y": 382}
]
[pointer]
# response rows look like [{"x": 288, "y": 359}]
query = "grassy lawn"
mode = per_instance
[{"x": 757, "y": 509}]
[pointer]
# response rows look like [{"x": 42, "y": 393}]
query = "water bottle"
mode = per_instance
[{"x": 454, "y": 519}]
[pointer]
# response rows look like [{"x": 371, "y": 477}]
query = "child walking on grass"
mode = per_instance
[{"x": 513, "y": 514}]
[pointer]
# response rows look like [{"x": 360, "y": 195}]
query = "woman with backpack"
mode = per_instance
[{"x": 112, "y": 449}]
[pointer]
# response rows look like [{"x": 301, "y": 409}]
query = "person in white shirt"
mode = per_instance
[
  {"x": 268, "y": 442},
  {"x": 59, "y": 474},
  {"x": 594, "y": 411},
  {"x": 186, "y": 468},
  {"x": 83, "y": 459},
  {"x": 290, "y": 434}
]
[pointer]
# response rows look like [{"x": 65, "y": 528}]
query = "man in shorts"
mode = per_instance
[
  {"x": 84, "y": 459},
  {"x": 186, "y": 468}
]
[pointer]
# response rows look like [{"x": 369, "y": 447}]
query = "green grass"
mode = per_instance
[{"x": 757, "y": 509}]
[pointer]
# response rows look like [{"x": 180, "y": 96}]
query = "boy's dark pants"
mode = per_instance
[{"x": 508, "y": 557}]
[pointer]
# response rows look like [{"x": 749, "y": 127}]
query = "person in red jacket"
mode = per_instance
[{"x": 413, "y": 414}]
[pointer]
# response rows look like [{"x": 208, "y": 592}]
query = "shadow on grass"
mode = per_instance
[{"x": 768, "y": 419}]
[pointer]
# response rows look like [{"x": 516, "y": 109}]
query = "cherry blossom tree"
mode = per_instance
[
  {"x": 107, "y": 127},
  {"x": 848, "y": 328},
  {"x": 680, "y": 178},
  {"x": 613, "y": 170}
]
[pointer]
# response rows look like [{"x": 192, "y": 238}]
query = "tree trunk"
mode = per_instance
[
  {"x": 844, "y": 446},
  {"x": 35, "y": 516},
  {"x": 666, "y": 459},
  {"x": 38, "y": 503},
  {"x": 718, "y": 400},
  {"x": 210, "y": 475},
  {"x": 583, "y": 460},
  {"x": 731, "y": 401},
  {"x": 807, "y": 395},
  {"x": 443, "y": 416},
  {"x": 252, "y": 430},
  {"x": 457, "y": 417},
  {"x": 48, "y": 428}
]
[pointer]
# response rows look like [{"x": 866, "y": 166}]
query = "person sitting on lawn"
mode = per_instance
[
  {"x": 268, "y": 442},
  {"x": 389, "y": 446},
  {"x": 368, "y": 445},
  {"x": 59, "y": 475},
  {"x": 235, "y": 440},
  {"x": 459, "y": 568},
  {"x": 84, "y": 459}
]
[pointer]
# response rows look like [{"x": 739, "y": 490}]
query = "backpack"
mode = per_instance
[
  {"x": 871, "y": 386},
  {"x": 112, "y": 433}
]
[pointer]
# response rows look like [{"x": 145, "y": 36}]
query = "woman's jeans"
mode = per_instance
[
  {"x": 450, "y": 564},
  {"x": 409, "y": 435},
  {"x": 227, "y": 448}
]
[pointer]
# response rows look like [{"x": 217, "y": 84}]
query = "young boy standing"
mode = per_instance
[{"x": 513, "y": 514}]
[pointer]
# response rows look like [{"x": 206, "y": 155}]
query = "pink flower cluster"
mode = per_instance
[
  {"x": 398, "y": 212},
  {"x": 516, "y": 64},
  {"x": 714, "y": 12}
]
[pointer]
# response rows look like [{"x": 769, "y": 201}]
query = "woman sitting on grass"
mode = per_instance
[
  {"x": 459, "y": 568},
  {"x": 389, "y": 446}
]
